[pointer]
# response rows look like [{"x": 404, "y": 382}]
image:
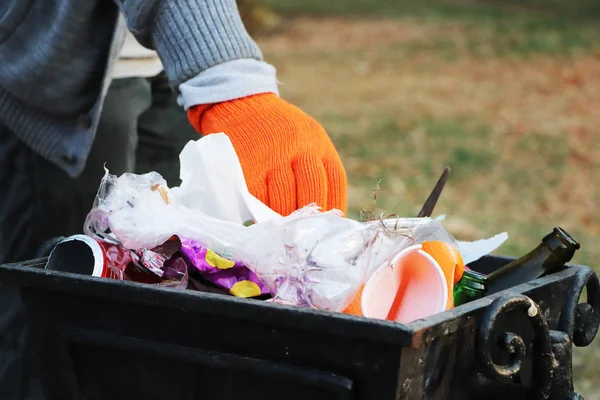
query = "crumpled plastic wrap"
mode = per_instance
[
  {"x": 176, "y": 273},
  {"x": 154, "y": 259},
  {"x": 323, "y": 259},
  {"x": 309, "y": 258}
]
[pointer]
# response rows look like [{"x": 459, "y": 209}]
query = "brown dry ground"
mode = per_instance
[{"x": 513, "y": 107}]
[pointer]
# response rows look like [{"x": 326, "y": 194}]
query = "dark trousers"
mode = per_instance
[{"x": 142, "y": 129}]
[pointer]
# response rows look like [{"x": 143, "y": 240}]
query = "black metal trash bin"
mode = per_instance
[{"x": 103, "y": 339}]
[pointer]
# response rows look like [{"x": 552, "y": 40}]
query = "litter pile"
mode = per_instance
[{"x": 211, "y": 234}]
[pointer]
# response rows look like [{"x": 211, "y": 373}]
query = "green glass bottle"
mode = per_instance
[
  {"x": 557, "y": 249},
  {"x": 470, "y": 287}
]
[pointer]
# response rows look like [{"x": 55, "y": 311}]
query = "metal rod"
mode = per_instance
[{"x": 431, "y": 201}]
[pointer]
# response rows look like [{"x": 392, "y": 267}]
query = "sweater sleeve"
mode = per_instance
[{"x": 190, "y": 36}]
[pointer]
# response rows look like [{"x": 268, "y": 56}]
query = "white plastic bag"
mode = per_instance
[{"x": 211, "y": 205}]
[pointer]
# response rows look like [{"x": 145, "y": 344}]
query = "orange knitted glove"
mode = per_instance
[{"x": 287, "y": 158}]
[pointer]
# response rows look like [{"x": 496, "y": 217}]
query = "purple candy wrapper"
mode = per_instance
[{"x": 229, "y": 275}]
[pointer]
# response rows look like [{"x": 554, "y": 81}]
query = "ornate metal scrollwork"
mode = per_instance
[
  {"x": 581, "y": 320},
  {"x": 514, "y": 344}
]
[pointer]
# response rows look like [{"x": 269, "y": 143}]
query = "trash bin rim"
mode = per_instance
[{"x": 31, "y": 274}]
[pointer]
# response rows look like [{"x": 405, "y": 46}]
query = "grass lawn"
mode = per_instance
[{"x": 506, "y": 94}]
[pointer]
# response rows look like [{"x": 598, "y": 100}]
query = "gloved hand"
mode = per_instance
[{"x": 287, "y": 158}]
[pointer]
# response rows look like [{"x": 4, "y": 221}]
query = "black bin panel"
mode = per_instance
[{"x": 100, "y": 366}]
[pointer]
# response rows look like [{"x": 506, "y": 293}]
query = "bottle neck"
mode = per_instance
[
  {"x": 473, "y": 280},
  {"x": 540, "y": 252},
  {"x": 562, "y": 245},
  {"x": 557, "y": 249},
  {"x": 470, "y": 287}
]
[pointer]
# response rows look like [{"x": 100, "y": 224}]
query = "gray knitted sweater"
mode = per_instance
[{"x": 56, "y": 58}]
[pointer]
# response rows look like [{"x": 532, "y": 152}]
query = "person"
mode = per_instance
[
  {"x": 56, "y": 64},
  {"x": 157, "y": 126},
  {"x": 52, "y": 102}
]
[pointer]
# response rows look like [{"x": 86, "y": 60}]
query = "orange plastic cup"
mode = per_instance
[{"x": 451, "y": 261}]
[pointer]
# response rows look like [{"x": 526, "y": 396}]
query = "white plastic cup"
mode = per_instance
[{"x": 412, "y": 284}]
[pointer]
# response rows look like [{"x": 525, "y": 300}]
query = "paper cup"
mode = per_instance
[
  {"x": 411, "y": 287},
  {"x": 81, "y": 254}
]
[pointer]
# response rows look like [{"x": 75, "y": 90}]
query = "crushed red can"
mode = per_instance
[{"x": 81, "y": 254}]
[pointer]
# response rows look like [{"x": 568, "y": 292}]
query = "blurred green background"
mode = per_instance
[{"x": 505, "y": 92}]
